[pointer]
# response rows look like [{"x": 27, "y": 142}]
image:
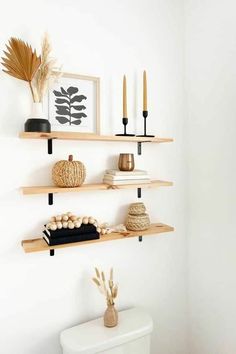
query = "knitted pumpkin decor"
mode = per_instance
[{"x": 68, "y": 173}]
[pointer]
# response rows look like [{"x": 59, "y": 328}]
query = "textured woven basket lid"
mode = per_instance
[{"x": 137, "y": 208}]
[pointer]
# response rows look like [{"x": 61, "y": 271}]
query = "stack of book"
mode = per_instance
[
  {"x": 117, "y": 177},
  {"x": 58, "y": 237}
]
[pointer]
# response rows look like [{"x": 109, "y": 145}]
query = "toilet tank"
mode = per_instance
[{"x": 130, "y": 336}]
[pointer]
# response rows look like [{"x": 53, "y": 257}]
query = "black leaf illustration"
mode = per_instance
[
  {"x": 78, "y": 98},
  {"x": 63, "y": 110},
  {"x": 78, "y": 108},
  {"x": 58, "y": 93},
  {"x": 76, "y": 122},
  {"x": 64, "y": 91},
  {"x": 62, "y": 120},
  {"x": 72, "y": 90},
  {"x": 61, "y": 101},
  {"x": 78, "y": 115},
  {"x": 65, "y": 107}
]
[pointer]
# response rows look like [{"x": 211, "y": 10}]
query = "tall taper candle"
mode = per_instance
[
  {"x": 124, "y": 98},
  {"x": 144, "y": 91}
]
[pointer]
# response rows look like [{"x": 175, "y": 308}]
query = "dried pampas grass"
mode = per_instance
[
  {"x": 46, "y": 73},
  {"x": 110, "y": 290}
]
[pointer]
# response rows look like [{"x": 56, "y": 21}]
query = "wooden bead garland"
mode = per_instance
[
  {"x": 71, "y": 221},
  {"x": 59, "y": 225}
]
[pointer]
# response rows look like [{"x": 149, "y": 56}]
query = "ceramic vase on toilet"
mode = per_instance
[
  {"x": 36, "y": 122},
  {"x": 110, "y": 316}
]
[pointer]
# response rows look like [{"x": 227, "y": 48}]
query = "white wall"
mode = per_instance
[
  {"x": 42, "y": 295},
  {"x": 211, "y": 87}
]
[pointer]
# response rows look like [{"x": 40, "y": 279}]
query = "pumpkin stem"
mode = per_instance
[{"x": 70, "y": 158}]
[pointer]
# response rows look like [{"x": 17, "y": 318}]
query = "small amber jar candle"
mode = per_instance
[{"x": 126, "y": 162}]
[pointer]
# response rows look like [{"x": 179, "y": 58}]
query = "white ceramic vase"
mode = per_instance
[{"x": 37, "y": 110}]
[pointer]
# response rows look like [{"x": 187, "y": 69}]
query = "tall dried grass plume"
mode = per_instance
[
  {"x": 46, "y": 74},
  {"x": 106, "y": 288}
]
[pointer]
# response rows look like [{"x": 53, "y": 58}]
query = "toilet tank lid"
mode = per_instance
[{"x": 92, "y": 337}]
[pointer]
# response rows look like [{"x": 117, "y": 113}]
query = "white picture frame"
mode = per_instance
[{"x": 74, "y": 104}]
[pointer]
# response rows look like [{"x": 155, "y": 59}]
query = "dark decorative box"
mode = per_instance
[{"x": 59, "y": 237}]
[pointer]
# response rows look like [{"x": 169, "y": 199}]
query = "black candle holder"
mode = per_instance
[
  {"x": 125, "y": 122},
  {"x": 145, "y": 114}
]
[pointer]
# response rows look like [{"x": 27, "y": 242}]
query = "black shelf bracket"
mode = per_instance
[
  {"x": 52, "y": 253},
  {"x": 50, "y": 198},
  {"x": 139, "y": 191},
  {"x": 50, "y": 146},
  {"x": 139, "y": 148},
  {"x": 140, "y": 143}
]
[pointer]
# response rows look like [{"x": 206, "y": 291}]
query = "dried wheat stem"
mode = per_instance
[
  {"x": 96, "y": 282},
  {"x": 111, "y": 274},
  {"x": 32, "y": 90},
  {"x": 97, "y": 273}
]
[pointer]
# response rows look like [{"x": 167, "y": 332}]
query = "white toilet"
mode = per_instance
[{"x": 131, "y": 336}]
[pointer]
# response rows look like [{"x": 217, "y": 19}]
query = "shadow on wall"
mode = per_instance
[
  {"x": 41, "y": 174},
  {"x": 15, "y": 106}
]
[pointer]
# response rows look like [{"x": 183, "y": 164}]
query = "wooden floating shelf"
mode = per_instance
[
  {"x": 38, "y": 244},
  {"x": 94, "y": 137},
  {"x": 91, "y": 187}
]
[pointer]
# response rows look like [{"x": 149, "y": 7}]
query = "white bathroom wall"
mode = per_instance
[
  {"x": 211, "y": 87},
  {"x": 42, "y": 295}
]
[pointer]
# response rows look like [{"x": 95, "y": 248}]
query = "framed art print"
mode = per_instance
[{"x": 74, "y": 104}]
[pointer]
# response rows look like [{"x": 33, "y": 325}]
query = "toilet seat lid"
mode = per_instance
[{"x": 92, "y": 337}]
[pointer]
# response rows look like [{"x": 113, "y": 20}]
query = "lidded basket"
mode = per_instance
[
  {"x": 68, "y": 173},
  {"x": 137, "y": 218}
]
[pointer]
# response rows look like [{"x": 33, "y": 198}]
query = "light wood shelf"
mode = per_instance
[
  {"x": 91, "y": 187},
  {"x": 94, "y": 137},
  {"x": 38, "y": 244}
]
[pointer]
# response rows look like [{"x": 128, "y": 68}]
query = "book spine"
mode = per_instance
[
  {"x": 124, "y": 178},
  {"x": 124, "y": 173},
  {"x": 114, "y": 183}
]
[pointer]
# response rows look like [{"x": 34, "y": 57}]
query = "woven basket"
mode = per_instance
[
  {"x": 137, "y": 222},
  {"x": 68, "y": 173},
  {"x": 137, "y": 209}
]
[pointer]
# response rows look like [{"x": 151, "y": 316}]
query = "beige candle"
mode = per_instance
[
  {"x": 124, "y": 98},
  {"x": 144, "y": 91}
]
